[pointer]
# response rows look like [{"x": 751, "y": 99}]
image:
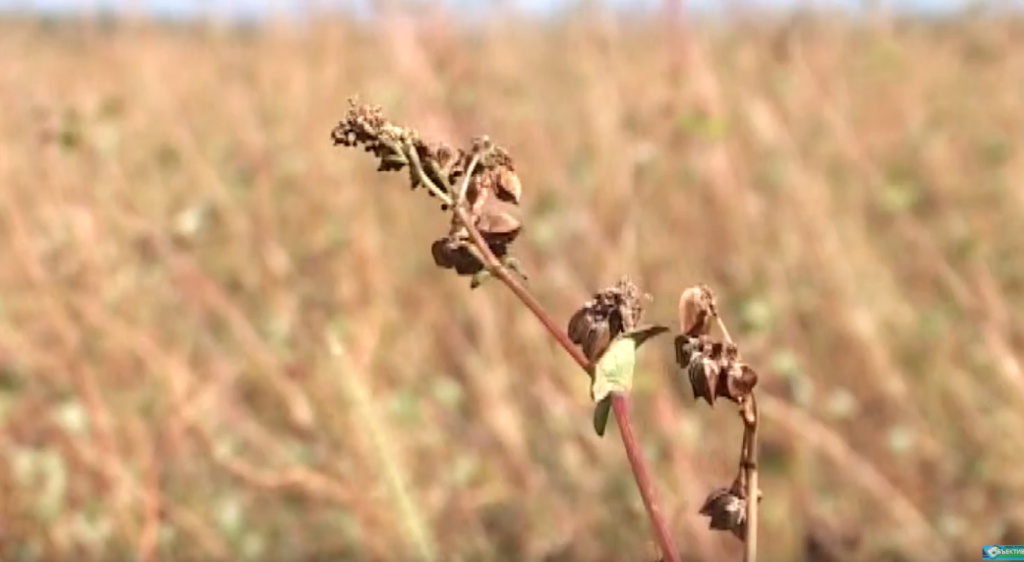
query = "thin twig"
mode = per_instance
[
  {"x": 417, "y": 167},
  {"x": 748, "y": 464},
  {"x": 750, "y": 420},
  {"x": 460, "y": 196}
]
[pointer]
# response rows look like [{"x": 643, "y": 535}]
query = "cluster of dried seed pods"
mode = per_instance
[
  {"x": 481, "y": 181},
  {"x": 715, "y": 370},
  {"x": 491, "y": 194},
  {"x": 480, "y": 188},
  {"x": 366, "y": 126},
  {"x": 713, "y": 367},
  {"x": 609, "y": 313}
]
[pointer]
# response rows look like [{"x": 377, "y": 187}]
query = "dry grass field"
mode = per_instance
[{"x": 178, "y": 237}]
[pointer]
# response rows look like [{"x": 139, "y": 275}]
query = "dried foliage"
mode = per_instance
[
  {"x": 610, "y": 313},
  {"x": 479, "y": 187},
  {"x": 481, "y": 178},
  {"x": 715, "y": 370}
]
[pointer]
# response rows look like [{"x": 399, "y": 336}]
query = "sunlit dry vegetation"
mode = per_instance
[{"x": 179, "y": 235}]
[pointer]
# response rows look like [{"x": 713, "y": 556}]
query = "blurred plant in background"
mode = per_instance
[{"x": 177, "y": 238}]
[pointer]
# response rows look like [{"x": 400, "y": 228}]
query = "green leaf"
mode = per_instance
[
  {"x": 514, "y": 266},
  {"x": 614, "y": 371},
  {"x": 479, "y": 278},
  {"x": 601, "y": 415}
]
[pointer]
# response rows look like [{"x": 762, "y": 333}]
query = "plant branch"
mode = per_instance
[
  {"x": 750, "y": 419},
  {"x": 413, "y": 159},
  {"x": 748, "y": 464},
  {"x": 620, "y": 405},
  {"x": 397, "y": 147}
]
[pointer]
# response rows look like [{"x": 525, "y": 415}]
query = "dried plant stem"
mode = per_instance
[
  {"x": 620, "y": 405},
  {"x": 748, "y": 463},
  {"x": 750, "y": 452}
]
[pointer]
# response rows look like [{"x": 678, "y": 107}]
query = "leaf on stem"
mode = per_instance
[
  {"x": 479, "y": 278},
  {"x": 613, "y": 372}
]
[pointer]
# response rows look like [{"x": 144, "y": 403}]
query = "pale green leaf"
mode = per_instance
[
  {"x": 614, "y": 371},
  {"x": 601, "y": 412}
]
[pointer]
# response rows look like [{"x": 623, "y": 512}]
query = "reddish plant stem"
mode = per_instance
[{"x": 620, "y": 404}]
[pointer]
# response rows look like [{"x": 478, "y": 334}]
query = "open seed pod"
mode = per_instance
[
  {"x": 508, "y": 186},
  {"x": 697, "y": 310},
  {"x": 736, "y": 381},
  {"x": 497, "y": 224},
  {"x": 609, "y": 313},
  {"x": 454, "y": 253},
  {"x": 705, "y": 377},
  {"x": 726, "y": 510}
]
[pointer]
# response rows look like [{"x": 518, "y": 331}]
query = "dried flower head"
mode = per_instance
[
  {"x": 499, "y": 228},
  {"x": 365, "y": 125},
  {"x": 714, "y": 369},
  {"x": 481, "y": 181},
  {"x": 609, "y": 313}
]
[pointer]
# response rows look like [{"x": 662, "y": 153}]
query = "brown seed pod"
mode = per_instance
[
  {"x": 685, "y": 348},
  {"x": 597, "y": 340},
  {"x": 509, "y": 187},
  {"x": 736, "y": 382},
  {"x": 704, "y": 375},
  {"x": 697, "y": 309},
  {"x": 498, "y": 223},
  {"x": 579, "y": 326},
  {"x": 727, "y": 511},
  {"x": 441, "y": 253}
]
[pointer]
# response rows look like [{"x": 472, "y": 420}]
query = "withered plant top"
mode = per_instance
[{"x": 479, "y": 182}]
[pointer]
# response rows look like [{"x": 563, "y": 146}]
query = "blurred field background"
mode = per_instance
[{"x": 179, "y": 237}]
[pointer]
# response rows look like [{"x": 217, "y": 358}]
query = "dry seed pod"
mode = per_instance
[
  {"x": 496, "y": 222},
  {"x": 737, "y": 382},
  {"x": 704, "y": 377},
  {"x": 442, "y": 254},
  {"x": 579, "y": 326},
  {"x": 727, "y": 511},
  {"x": 498, "y": 225},
  {"x": 451, "y": 253},
  {"x": 509, "y": 187},
  {"x": 597, "y": 340},
  {"x": 696, "y": 310},
  {"x": 609, "y": 313},
  {"x": 686, "y": 349},
  {"x": 465, "y": 262}
]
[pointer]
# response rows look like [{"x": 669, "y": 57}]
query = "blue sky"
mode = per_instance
[{"x": 255, "y": 7}]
